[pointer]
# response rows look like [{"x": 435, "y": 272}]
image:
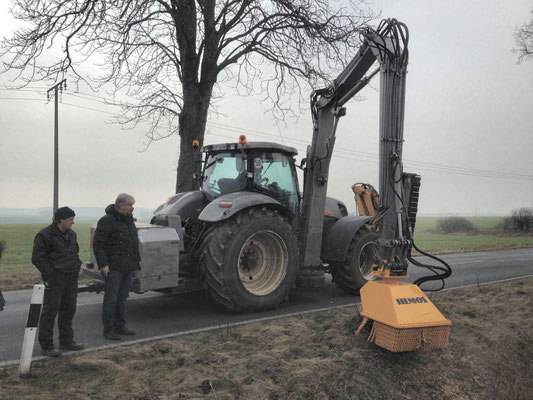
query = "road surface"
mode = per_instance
[{"x": 154, "y": 315}]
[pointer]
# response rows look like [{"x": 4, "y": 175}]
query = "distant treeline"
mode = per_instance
[{"x": 520, "y": 221}]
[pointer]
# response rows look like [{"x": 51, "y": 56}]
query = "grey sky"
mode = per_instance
[{"x": 469, "y": 106}]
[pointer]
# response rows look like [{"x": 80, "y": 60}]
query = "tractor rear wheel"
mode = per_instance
[
  {"x": 249, "y": 262},
  {"x": 352, "y": 274}
]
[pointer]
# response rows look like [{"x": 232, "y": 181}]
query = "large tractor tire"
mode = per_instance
[
  {"x": 249, "y": 262},
  {"x": 352, "y": 274}
]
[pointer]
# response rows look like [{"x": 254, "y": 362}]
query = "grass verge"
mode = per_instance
[{"x": 315, "y": 356}]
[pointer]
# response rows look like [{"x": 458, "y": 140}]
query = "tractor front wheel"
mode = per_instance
[{"x": 352, "y": 274}]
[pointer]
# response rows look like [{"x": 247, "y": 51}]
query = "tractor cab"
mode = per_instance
[{"x": 262, "y": 167}]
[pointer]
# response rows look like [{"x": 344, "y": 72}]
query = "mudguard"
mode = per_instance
[
  {"x": 338, "y": 237},
  {"x": 186, "y": 205},
  {"x": 226, "y": 206}
]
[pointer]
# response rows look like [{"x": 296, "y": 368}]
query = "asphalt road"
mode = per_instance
[{"x": 154, "y": 315}]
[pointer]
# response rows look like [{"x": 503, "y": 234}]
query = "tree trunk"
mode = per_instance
[{"x": 192, "y": 122}]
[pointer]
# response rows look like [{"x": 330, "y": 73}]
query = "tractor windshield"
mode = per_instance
[
  {"x": 275, "y": 173},
  {"x": 224, "y": 173},
  {"x": 271, "y": 173}
]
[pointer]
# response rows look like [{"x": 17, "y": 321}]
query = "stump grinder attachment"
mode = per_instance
[{"x": 404, "y": 319}]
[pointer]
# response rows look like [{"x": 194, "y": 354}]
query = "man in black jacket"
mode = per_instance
[
  {"x": 55, "y": 254},
  {"x": 116, "y": 248}
]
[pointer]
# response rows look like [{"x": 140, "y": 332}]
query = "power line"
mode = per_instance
[
  {"x": 375, "y": 159},
  {"x": 89, "y": 108},
  {"x": 22, "y": 98},
  {"x": 85, "y": 97},
  {"x": 349, "y": 154}
]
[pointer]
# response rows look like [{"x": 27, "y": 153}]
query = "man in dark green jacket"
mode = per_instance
[{"x": 55, "y": 254}]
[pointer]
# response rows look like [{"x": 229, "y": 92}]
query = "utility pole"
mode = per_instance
[{"x": 56, "y": 88}]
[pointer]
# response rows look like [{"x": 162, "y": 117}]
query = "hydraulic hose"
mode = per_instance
[{"x": 444, "y": 273}]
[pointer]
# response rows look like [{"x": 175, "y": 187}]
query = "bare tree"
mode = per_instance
[
  {"x": 171, "y": 56},
  {"x": 523, "y": 37}
]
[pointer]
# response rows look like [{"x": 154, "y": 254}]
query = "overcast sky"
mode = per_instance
[{"x": 468, "y": 125}]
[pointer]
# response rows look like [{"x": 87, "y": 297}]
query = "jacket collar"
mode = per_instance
[
  {"x": 56, "y": 231},
  {"x": 110, "y": 209}
]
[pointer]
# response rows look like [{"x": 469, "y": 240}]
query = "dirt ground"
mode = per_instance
[{"x": 317, "y": 356}]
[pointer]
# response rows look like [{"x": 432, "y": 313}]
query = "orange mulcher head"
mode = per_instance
[{"x": 404, "y": 318}]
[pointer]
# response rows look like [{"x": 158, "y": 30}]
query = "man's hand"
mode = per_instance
[
  {"x": 46, "y": 279},
  {"x": 105, "y": 271}
]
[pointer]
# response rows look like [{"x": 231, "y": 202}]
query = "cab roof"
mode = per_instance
[{"x": 250, "y": 146}]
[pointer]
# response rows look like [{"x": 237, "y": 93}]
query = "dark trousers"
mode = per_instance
[
  {"x": 59, "y": 300},
  {"x": 117, "y": 289}
]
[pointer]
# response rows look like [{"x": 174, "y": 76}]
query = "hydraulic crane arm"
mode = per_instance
[
  {"x": 350, "y": 81},
  {"x": 388, "y": 46},
  {"x": 403, "y": 317}
]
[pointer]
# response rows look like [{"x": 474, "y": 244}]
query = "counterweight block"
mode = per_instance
[{"x": 404, "y": 318}]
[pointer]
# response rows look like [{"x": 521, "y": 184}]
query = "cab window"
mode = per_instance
[
  {"x": 274, "y": 172},
  {"x": 224, "y": 173}
]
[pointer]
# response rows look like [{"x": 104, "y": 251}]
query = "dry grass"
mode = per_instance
[{"x": 310, "y": 357}]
